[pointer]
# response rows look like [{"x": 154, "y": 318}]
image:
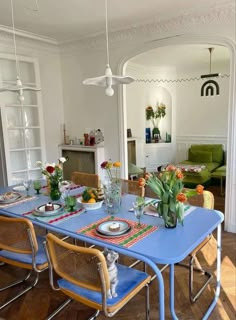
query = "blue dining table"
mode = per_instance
[{"x": 161, "y": 246}]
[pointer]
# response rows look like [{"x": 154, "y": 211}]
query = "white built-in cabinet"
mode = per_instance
[
  {"x": 158, "y": 154},
  {"x": 22, "y": 123}
]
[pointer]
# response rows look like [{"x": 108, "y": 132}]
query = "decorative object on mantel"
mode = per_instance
[
  {"x": 108, "y": 80},
  {"x": 210, "y": 86},
  {"x": 155, "y": 117},
  {"x": 148, "y": 135},
  {"x": 168, "y": 186},
  {"x": 19, "y": 87},
  {"x": 54, "y": 175},
  {"x": 112, "y": 186}
]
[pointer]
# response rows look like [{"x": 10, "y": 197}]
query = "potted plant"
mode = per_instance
[{"x": 155, "y": 117}]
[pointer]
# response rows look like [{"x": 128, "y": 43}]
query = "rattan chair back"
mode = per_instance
[
  {"x": 76, "y": 264},
  {"x": 85, "y": 179},
  {"x": 205, "y": 200},
  {"x": 14, "y": 235},
  {"x": 132, "y": 187}
]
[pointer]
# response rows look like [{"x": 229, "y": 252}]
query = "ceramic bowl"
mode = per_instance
[{"x": 90, "y": 206}]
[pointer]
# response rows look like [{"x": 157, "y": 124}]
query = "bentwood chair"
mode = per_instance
[
  {"x": 20, "y": 247},
  {"x": 205, "y": 200},
  {"x": 82, "y": 275},
  {"x": 132, "y": 187},
  {"x": 86, "y": 179}
]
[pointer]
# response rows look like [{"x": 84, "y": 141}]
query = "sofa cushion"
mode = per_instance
[
  {"x": 221, "y": 169},
  {"x": 200, "y": 156},
  {"x": 215, "y": 149}
]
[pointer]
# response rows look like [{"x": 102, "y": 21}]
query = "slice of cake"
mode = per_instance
[
  {"x": 115, "y": 226},
  {"x": 49, "y": 206}
]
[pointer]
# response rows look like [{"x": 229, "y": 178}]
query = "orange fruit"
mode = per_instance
[{"x": 92, "y": 200}]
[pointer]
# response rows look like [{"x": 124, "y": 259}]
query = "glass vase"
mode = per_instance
[
  {"x": 112, "y": 196},
  {"x": 171, "y": 220},
  {"x": 55, "y": 193},
  {"x": 167, "y": 212}
]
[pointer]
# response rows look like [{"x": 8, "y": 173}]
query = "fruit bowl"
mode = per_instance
[{"x": 90, "y": 206}]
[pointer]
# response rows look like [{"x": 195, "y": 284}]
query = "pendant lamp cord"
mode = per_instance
[
  {"x": 107, "y": 33},
  {"x": 14, "y": 39},
  {"x": 210, "y": 50}
]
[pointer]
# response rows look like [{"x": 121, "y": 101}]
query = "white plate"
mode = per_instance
[
  {"x": 112, "y": 235},
  {"x": 104, "y": 228},
  {"x": 66, "y": 183},
  {"x": 15, "y": 196},
  {"x": 18, "y": 188},
  {"x": 41, "y": 212}
]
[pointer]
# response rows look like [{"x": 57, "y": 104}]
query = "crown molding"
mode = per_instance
[
  {"x": 159, "y": 29},
  {"x": 152, "y": 30},
  {"x": 29, "y": 35},
  {"x": 25, "y": 44}
]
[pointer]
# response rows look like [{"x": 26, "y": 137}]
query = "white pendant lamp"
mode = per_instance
[
  {"x": 108, "y": 80},
  {"x": 19, "y": 87}
]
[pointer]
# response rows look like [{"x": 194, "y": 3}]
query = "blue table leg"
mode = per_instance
[{"x": 172, "y": 291}]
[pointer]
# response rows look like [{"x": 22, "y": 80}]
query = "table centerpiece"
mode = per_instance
[
  {"x": 168, "y": 186},
  {"x": 54, "y": 175},
  {"x": 112, "y": 186}
]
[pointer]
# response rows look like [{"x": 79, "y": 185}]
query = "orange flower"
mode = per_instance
[
  {"x": 147, "y": 176},
  {"x": 117, "y": 164},
  {"x": 141, "y": 182},
  {"x": 199, "y": 189},
  {"x": 170, "y": 167},
  {"x": 179, "y": 174},
  {"x": 181, "y": 197}
]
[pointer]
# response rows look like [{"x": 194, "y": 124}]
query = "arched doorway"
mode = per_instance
[{"x": 231, "y": 133}]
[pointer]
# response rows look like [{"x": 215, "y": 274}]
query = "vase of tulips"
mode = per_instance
[
  {"x": 169, "y": 188},
  {"x": 112, "y": 186}
]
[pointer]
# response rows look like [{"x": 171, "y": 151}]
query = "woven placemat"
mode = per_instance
[
  {"x": 17, "y": 202},
  {"x": 61, "y": 216},
  {"x": 126, "y": 240}
]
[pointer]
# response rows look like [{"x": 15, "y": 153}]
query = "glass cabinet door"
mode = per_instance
[{"x": 22, "y": 130}]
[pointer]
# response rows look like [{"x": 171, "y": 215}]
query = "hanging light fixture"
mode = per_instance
[
  {"x": 210, "y": 87},
  {"x": 19, "y": 87},
  {"x": 108, "y": 80}
]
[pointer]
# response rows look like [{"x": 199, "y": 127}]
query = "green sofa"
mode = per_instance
[{"x": 203, "y": 159}]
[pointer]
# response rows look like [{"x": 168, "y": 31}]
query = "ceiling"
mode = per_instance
[
  {"x": 62, "y": 21},
  {"x": 185, "y": 58},
  {"x": 68, "y": 20}
]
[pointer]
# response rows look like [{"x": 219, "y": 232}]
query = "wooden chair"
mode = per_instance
[
  {"x": 20, "y": 247},
  {"x": 205, "y": 200},
  {"x": 83, "y": 276},
  {"x": 132, "y": 187},
  {"x": 86, "y": 179}
]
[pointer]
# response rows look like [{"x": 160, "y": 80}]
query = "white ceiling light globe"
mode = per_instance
[{"x": 109, "y": 92}]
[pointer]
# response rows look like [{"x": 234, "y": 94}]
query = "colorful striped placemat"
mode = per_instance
[
  {"x": 61, "y": 216},
  {"x": 17, "y": 202},
  {"x": 126, "y": 240}
]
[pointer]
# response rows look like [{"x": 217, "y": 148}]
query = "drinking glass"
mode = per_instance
[
  {"x": 70, "y": 203},
  {"x": 27, "y": 184},
  {"x": 37, "y": 186},
  {"x": 138, "y": 206}
]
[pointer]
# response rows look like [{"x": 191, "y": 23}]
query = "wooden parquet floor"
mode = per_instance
[{"x": 42, "y": 300}]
